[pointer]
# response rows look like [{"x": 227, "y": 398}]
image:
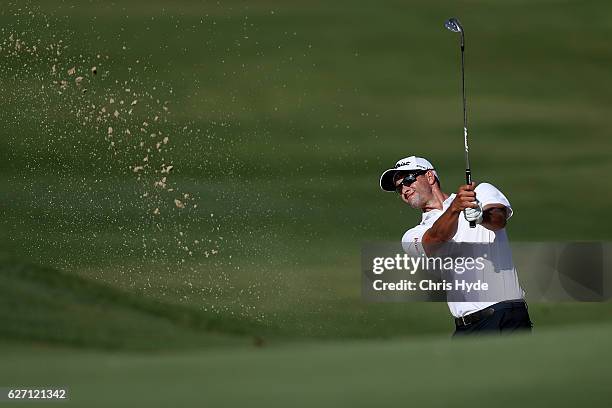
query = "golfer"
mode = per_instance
[{"x": 446, "y": 220}]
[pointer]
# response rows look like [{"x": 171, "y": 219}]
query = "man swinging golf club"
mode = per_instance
[
  {"x": 418, "y": 185},
  {"x": 486, "y": 212}
]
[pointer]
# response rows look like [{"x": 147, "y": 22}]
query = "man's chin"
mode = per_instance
[{"x": 412, "y": 203}]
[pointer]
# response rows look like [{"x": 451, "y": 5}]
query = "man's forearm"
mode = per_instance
[
  {"x": 494, "y": 218},
  {"x": 444, "y": 229}
]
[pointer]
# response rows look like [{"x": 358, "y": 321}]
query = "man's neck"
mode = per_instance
[{"x": 437, "y": 201}]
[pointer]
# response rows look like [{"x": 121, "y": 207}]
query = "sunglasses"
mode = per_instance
[{"x": 408, "y": 180}]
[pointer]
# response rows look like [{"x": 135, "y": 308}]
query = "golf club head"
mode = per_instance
[{"x": 453, "y": 25}]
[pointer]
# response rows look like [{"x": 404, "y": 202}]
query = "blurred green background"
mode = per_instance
[{"x": 280, "y": 119}]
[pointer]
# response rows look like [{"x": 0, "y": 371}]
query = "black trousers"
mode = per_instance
[{"x": 508, "y": 317}]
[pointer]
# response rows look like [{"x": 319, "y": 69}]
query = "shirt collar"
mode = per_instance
[{"x": 445, "y": 204}]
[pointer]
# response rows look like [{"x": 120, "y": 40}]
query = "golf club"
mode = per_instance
[{"x": 454, "y": 25}]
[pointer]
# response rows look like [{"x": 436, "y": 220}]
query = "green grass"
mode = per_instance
[
  {"x": 41, "y": 305},
  {"x": 281, "y": 118},
  {"x": 552, "y": 367},
  {"x": 46, "y": 306}
]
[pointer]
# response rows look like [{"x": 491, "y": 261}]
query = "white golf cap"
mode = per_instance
[{"x": 412, "y": 163}]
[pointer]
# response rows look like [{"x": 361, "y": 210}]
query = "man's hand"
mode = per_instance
[
  {"x": 474, "y": 214},
  {"x": 445, "y": 226},
  {"x": 465, "y": 198}
]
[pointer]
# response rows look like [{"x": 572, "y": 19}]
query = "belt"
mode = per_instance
[{"x": 482, "y": 314}]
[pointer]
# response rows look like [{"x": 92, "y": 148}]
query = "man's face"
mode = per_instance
[{"x": 418, "y": 193}]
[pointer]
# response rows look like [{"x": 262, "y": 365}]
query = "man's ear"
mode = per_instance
[{"x": 431, "y": 179}]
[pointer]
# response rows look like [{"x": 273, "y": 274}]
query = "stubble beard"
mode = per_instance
[
  {"x": 415, "y": 201},
  {"x": 420, "y": 200}
]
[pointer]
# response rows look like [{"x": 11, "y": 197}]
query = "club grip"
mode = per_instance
[{"x": 468, "y": 180}]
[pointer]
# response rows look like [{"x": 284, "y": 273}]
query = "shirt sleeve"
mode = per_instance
[
  {"x": 488, "y": 194},
  {"x": 411, "y": 241}
]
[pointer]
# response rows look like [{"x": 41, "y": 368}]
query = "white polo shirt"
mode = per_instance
[{"x": 499, "y": 272}]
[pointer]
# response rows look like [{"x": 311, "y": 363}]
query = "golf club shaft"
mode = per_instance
[{"x": 468, "y": 171}]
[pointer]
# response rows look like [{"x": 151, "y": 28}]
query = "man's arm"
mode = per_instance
[
  {"x": 495, "y": 205},
  {"x": 494, "y": 216},
  {"x": 445, "y": 227}
]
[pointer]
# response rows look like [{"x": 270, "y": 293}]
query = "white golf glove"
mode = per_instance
[{"x": 474, "y": 214}]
